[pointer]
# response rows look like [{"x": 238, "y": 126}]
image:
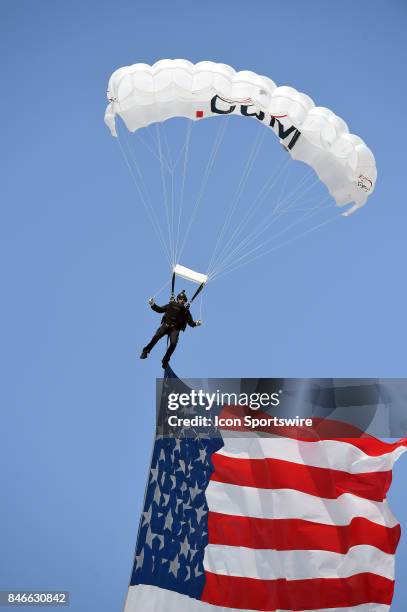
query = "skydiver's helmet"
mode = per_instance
[{"x": 181, "y": 297}]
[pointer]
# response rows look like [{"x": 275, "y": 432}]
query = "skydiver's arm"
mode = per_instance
[
  {"x": 190, "y": 320},
  {"x": 157, "y": 308}
]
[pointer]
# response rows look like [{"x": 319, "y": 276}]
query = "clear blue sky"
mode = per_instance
[{"x": 79, "y": 261}]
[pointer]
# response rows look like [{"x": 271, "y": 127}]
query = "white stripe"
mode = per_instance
[
  {"x": 296, "y": 564},
  {"x": 146, "y": 598},
  {"x": 290, "y": 504},
  {"x": 333, "y": 454}
]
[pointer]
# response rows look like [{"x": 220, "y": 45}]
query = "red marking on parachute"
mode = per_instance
[
  {"x": 366, "y": 178},
  {"x": 199, "y": 114},
  {"x": 279, "y": 116}
]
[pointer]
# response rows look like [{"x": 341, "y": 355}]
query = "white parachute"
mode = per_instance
[{"x": 142, "y": 95}]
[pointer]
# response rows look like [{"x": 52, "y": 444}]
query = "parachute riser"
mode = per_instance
[
  {"x": 172, "y": 298},
  {"x": 197, "y": 292}
]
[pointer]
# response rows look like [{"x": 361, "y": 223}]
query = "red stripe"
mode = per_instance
[
  {"x": 279, "y": 474},
  {"x": 267, "y": 595},
  {"x": 297, "y": 534},
  {"x": 322, "y": 429}
]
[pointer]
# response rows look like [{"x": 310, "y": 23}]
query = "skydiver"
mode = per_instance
[{"x": 176, "y": 317}]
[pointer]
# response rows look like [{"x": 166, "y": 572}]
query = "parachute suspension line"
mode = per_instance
[
  {"x": 171, "y": 165},
  {"x": 165, "y": 197},
  {"x": 282, "y": 191},
  {"x": 279, "y": 246},
  {"x": 148, "y": 207},
  {"x": 172, "y": 215},
  {"x": 266, "y": 223},
  {"x": 211, "y": 162},
  {"x": 238, "y": 193},
  {"x": 184, "y": 173},
  {"x": 309, "y": 213},
  {"x": 171, "y": 190},
  {"x": 141, "y": 185},
  {"x": 161, "y": 288},
  {"x": 261, "y": 226},
  {"x": 181, "y": 153},
  {"x": 216, "y": 146},
  {"x": 298, "y": 192},
  {"x": 200, "y": 306},
  {"x": 147, "y": 146},
  {"x": 238, "y": 257},
  {"x": 254, "y": 206}
]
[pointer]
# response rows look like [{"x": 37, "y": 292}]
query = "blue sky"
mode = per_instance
[{"x": 79, "y": 261}]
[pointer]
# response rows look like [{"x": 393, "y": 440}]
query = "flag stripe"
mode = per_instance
[
  {"x": 296, "y": 564},
  {"x": 326, "y": 454},
  {"x": 322, "y": 429},
  {"x": 295, "y": 595},
  {"x": 279, "y": 474},
  {"x": 298, "y": 534},
  {"x": 286, "y": 504},
  {"x": 149, "y": 598}
]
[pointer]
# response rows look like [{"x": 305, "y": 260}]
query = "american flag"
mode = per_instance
[{"x": 264, "y": 522}]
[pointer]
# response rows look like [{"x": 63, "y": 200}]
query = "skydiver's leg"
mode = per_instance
[
  {"x": 161, "y": 331},
  {"x": 174, "y": 334}
]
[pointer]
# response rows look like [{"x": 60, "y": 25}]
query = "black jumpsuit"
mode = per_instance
[{"x": 176, "y": 318}]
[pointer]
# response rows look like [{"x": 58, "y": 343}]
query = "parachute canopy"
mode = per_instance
[{"x": 141, "y": 95}]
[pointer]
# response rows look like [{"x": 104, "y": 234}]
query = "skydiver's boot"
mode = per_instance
[{"x": 144, "y": 354}]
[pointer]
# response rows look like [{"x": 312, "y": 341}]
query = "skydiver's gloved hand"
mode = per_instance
[
  {"x": 151, "y": 301},
  {"x": 198, "y": 322}
]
